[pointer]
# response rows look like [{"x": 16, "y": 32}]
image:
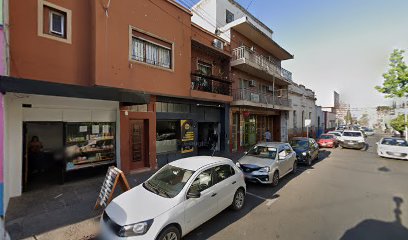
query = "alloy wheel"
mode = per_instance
[
  {"x": 239, "y": 199},
  {"x": 170, "y": 236},
  {"x": 275, "y": 180}
]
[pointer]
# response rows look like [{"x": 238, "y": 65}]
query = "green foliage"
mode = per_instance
[
  {"x": 348, "y": 118},
  {"x": 396, "y": 79},
  {"x": 398, "y": 123},
  {"x": 384, "y": 108}
]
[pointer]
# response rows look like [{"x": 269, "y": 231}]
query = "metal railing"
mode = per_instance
[
  {"x": 210, "y": 84},
  {"x": 259, "y": 97},
  {"x": 263, "y": 62}
]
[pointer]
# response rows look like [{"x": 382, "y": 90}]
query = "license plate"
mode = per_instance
[
  {"x": 351, "y": 143},
  {"x": 323, "y": 144}
]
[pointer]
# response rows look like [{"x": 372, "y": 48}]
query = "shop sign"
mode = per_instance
[{"x": 187, "y": 136}]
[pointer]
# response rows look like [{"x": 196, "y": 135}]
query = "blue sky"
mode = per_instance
[{"x": 340, "y": 45}]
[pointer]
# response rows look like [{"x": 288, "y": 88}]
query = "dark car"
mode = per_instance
[{"x": 306, "y": 150}]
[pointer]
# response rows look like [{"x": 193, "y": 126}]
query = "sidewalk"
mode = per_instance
[{"x": 63, "y": 212}]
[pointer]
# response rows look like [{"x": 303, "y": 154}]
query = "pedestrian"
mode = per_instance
[{"x": 268, "y": 136}]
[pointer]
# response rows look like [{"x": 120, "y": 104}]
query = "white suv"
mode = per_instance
[{"x": 352, "y": 139}]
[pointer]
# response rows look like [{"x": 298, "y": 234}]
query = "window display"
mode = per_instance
[
  {"x": 89, "y": 144},
  {"x": 168, "y": 135}
]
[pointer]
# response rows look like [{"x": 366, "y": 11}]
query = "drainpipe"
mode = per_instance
[{"x": 273, "y": 93}]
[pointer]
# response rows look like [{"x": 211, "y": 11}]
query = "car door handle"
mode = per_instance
[
  {"x": 234, "y": 182},
  {"x": 214, "y": 194}
]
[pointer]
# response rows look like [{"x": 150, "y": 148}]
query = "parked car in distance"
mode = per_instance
[
  {"x": 352, "y": 139},
  {"x": 327, "y": 140},
  {"x": 307, "y": 150},
  {"x": 268, "y": 162},
  {"x": 368, "y": 131},
  {"x": 393, "y": 148},
  {"x": 335, "y": 133},
  {"x": 178, "y": 198}
]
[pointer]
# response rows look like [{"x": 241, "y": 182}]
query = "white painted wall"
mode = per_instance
[
  {"x": 302, "y": 100},
  {"x": 45, "y": 108},
  {"x": 204, "y": 14}
]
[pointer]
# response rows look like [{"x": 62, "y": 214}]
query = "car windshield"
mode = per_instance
[
  {"x": 263, "y": 152},
  {"x": 326, "y": 137},
  {"x": 296, "y": 143},
  {"x": 352, "y": 134},
  {"x": 168, "y": 181},
  {"x": 394, "y": 142}
]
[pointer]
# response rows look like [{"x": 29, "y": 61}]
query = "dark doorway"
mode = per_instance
[
  {"x": 138, "y": 144},
  {"x": 208, "y": 137}
]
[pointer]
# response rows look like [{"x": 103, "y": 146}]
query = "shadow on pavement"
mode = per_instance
[
  {"x": 384, "y": 169},
  {"x": 379, "y": 230}
]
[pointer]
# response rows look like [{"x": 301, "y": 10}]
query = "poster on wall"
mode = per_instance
[{"x": 187, "y": 136}]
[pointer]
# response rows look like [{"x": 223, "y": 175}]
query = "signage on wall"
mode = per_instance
[
  {"x": 187, "y": 136},
  {"x": 113, "y": 176},
  {"x": 308, "y": 122}
]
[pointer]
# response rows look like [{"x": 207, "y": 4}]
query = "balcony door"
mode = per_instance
[{"x": 137, "y": 143}]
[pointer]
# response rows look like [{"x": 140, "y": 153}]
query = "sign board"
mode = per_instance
[
  {"x": 308, "y": 122},
  {"x": 113, "y": 176},
  {"x": 187, "y": 136}
]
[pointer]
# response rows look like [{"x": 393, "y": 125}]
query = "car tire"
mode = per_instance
[
  {"x": 275, "y": 179},
  {"x": 294, "y": 168},
  {"x": 239, "y": 200},
  {"x": 309, "y": 161},
  {"x": 170, "y": 232}
]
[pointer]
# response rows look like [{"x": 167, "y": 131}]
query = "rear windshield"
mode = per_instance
[
  {"x": 326, "y": 137},
  {"x": 299, "y": 143},
  {"x": 352, "y": 134},
  {"x": 335, "y": 133},
  {"x": 394, "y": 142}
]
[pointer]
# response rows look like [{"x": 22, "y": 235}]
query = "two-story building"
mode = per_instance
[
  {"x": 97, "y": 83},
  {"x": 259, "y": 83}
]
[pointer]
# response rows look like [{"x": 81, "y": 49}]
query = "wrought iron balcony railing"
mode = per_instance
[
  {"x": 259, "y": 97},
  {"x": 210, "y": 84}
]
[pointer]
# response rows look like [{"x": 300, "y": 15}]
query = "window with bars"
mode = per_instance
[
  {"x": 204, "y": 68},
  {"x": 151, "y": 53},
  {"x": 229, "y": 16}
]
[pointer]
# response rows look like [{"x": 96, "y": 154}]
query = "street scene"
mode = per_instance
[{"x": 203, "y": 119}]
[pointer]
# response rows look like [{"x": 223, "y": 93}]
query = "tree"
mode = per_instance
[
  {"x": 348, "y": 118},
  {"x": 396, "y": 79},
  {"x": 364, "y": 120},
  {"x": 398, "y": 123}
]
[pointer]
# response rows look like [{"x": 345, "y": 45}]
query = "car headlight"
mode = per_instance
[
  {"x": 265, "y": 169},
  {"x": 237, "y": 164},
  {"x": 304, "y": 153},
  {"x": 135, "y": 229}
]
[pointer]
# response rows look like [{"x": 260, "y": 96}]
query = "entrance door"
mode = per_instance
[
  {"x": 137, "y": 145},
  {"x": 276, "y": 129}
]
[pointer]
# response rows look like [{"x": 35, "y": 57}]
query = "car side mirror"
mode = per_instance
[
  {"x": 193, "y": 195},
  {"x": 245, "y": 153},
  {"x": 281, "y": 157}
]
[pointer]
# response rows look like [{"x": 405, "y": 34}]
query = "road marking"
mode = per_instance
[{"x": 269, "y": 202}]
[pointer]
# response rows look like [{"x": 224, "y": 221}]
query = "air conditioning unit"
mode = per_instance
[
  {"x": 252, "y": 83},
  {"x": 270, "y": 88},
  {"x": 218, "y": 44},
  {"x": 252, "y": 49}
]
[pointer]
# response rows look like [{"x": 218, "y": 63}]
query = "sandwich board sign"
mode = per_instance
[{"x": 112, "y": 178}]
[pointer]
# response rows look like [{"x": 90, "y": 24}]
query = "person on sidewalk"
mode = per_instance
[{"x": 268, "y": 136}]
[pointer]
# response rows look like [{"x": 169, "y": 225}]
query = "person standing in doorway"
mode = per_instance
[{"x": 268, "y": 136}]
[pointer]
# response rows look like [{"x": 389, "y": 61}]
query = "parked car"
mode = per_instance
[
  {"x": 393, "y": 148},
  {"x": 327, "y": 140},
  {"x": 268, "y": 162},
  {"x": 177, "y": 199},
  {"x": 335, "y": 133},
  {"x": 352, "y": 139},
  {"x": 368, "y": 131},
  {"x": 306, "y": 150}
]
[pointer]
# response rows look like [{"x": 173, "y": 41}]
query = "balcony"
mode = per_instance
[
  {"x": 258, "y": 65},
  {"x": 210, "y": 88},
  {"x": 248, "y": 97}
]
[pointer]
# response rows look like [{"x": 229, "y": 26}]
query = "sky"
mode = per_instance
[{"x": 339, "y": 45}]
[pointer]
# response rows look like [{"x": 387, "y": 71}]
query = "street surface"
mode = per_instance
[{"x": 347, "y": 194}]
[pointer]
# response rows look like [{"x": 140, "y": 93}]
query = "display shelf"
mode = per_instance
[{"x": 91, "y": 164}]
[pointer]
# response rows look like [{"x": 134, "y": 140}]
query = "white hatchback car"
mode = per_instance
[{"x": 177, "y": 199}]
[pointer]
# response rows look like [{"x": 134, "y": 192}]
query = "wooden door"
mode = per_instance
[
  {"x": 276, "y": 129},
  {"x": 137, "y": 145}
]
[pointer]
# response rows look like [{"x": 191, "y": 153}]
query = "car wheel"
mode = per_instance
[
  {"x": 275, "y": 179},
  {"x": 294, "y": 168},
  {"x": 169, "y": 233},
  {"x": 309, "y": 161},
  {"x": 239, "y": 200}
]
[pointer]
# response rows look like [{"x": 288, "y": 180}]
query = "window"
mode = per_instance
[
  {"x": 57, "y": 23},
  {"x": 150, "y": 50},
  {"x": 172, "y": 107},
  {"x": 54, "y": 22},
  {"x": 202, "y": 182},
  {"x": 204, "y": 68},
  {"x": 294, "y": 120},
  {"x": 223, "y": 172},
  {"x": 229, "y": 16},
  {"x": 288, "y": 149},
  {"x": 167, "y": 135},
  {"x": 262, "y": 152}
]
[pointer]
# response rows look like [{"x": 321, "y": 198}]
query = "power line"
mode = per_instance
[{"x": 250, "y": 3}]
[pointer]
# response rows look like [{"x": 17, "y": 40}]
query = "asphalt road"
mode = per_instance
[{"x": 347, "y": 194}]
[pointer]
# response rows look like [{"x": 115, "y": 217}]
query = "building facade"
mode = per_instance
[
  {"x": 105, "y": 85},
  {"x": 259, "y": 83},
  {"x": 304, "y": 107}
]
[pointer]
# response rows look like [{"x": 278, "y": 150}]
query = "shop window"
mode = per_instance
[
  {"x": 167, "y": 136},
  {"x": 172, "y": 107},
  {"x": 54, "y": 22},
  {"x": 204, "y": 68},
  {"x": 229, "y": 16},
  {"x": 150, "y": 50}
]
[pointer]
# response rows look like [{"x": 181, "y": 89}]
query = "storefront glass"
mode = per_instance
[{"x": 167, "y": 136}]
